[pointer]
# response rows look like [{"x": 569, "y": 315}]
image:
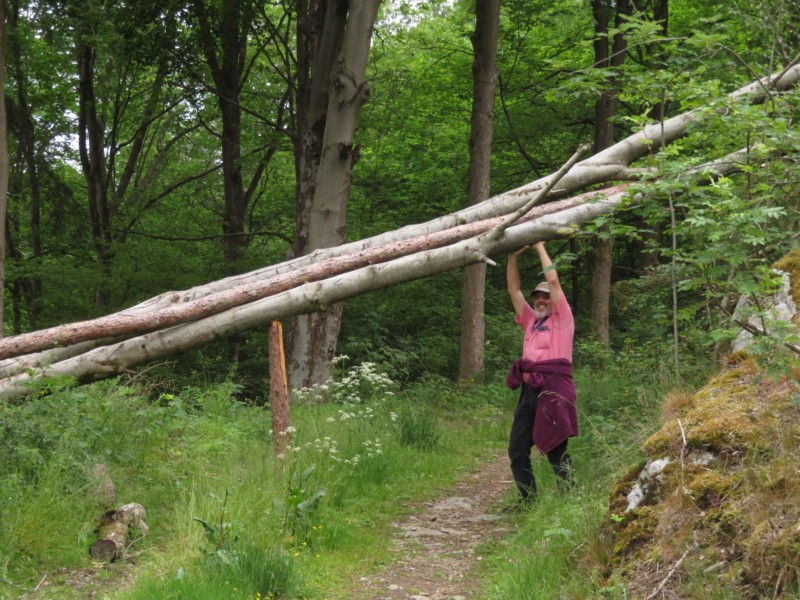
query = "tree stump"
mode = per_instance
[{"x": 113, "y": 527}]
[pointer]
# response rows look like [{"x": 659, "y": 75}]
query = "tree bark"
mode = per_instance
[
  {"x": 484, "y": 84},
  {"x": 128, "y": 323},
  {"x": 30, "y": 288},
  {"x": 91, "y": 134},
  {"x": 227, "y": 66},
  {"x": 86, "y": 362},
  {"x": 313, "y": 340},
  {"x": 600, "y": 261}
]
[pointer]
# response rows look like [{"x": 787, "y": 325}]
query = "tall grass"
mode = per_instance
[{"x": 225, "y": 512}]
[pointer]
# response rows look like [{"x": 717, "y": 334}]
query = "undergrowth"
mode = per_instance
[{"x": 230, "y": 518}]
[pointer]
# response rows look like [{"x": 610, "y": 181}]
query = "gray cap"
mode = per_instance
[{"x": 542, "y": 287}]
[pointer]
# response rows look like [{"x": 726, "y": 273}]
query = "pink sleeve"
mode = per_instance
[
  {"x": 527, "y": 317},
  {"x": 563, "y": 309}
]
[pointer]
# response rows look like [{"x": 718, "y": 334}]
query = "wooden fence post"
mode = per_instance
[{"x": 278, "y": 390}]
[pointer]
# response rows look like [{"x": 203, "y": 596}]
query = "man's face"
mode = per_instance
[{"x": 542, "y": 305}]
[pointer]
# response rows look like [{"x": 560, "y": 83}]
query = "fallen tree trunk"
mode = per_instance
[
  {"x": 117, "y": 358},
  {"x": 612, "y": 164},
  {"x": 114, "y": 359},
  {"x": 126, "y": 325},
  {"x": 77, "y": 338},
  {"x": 113, "y": 529}
]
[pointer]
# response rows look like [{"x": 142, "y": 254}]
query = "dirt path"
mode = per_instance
[{"x": 437, "y": 545}]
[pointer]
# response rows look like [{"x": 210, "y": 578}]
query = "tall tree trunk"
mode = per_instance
[
  {"x": 601, "y": 252},
  {"x": 337, "y": 92},
  {"x": 660, "y": 16},
  {"x": 91, "y": 134},
  {"x": 484, "y": 84},
  {"x": 600, "y": 261},
  {"x": 228, "y": 69},
  {"x": 4, "y": 167},
  {"x": 30, "y": 287}
]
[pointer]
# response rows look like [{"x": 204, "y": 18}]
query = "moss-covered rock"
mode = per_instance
[
  {"x": 727, "y": 502},
  {"x": 724, "y": 511},
  {"x": 772, "y": 554},
  {"x": 710, "y": 489},
  {"x": 727, "y": 415}
]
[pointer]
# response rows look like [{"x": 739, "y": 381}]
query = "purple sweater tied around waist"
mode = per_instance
[{"x": 556, "y": 412}]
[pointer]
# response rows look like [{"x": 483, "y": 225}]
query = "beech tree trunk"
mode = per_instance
[
  {"x": 484, "y": 84},
  {"x": 601, "y": 253},
  {"x": 347, "y": 34}
]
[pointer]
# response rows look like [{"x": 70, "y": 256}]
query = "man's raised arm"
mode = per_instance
[
  {"x": 514, "y": 286},
  {"x": 550, "y": 274}
]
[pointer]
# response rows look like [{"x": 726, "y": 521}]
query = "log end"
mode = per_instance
[{"x": 103, "y": 550}]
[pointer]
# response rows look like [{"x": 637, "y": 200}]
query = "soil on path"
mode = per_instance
[{"x": 437, "y": 547}]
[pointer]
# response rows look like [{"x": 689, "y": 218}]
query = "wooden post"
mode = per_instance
[{"x": 278, "y": 390}]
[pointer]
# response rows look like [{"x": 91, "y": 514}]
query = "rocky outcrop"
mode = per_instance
[{"x": 714, "y": 511}]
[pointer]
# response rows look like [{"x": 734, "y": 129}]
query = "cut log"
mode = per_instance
[{"x": 113, "y": 529}]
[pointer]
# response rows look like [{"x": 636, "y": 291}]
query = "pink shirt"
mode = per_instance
[{"x": 551, "y": 337}]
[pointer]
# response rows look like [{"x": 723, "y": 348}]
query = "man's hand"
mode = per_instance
[{"x": 520, "y": 251}]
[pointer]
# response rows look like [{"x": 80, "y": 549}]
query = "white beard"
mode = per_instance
[{"x": 541, "y": 313}]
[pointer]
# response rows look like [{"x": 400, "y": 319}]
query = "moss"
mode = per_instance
[
  {"x": 635, "y": 530},
  {"x": 709, "y": 489},
  {"x": 729, "y": 523},
  {"x": 739, "y": 511},
  {"x": 791, "y": 264},
  {"x": 725, "y": 415},
  {"x": 772, "y": 556}
]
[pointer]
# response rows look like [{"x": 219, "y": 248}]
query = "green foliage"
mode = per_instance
[
  {"x": 418, "y": 428},
  {"x": 298, "y": 507}
]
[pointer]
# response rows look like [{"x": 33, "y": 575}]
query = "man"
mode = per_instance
[{"x": 546, "y": 415}]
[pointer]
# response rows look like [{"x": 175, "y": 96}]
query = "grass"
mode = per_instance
[{"x": 229, "y": 519}]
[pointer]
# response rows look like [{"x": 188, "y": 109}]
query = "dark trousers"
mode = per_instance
[{"x": 519, "y": 449}]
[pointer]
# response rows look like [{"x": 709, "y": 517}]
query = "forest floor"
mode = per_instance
[{"x": 438, "y": 546}]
